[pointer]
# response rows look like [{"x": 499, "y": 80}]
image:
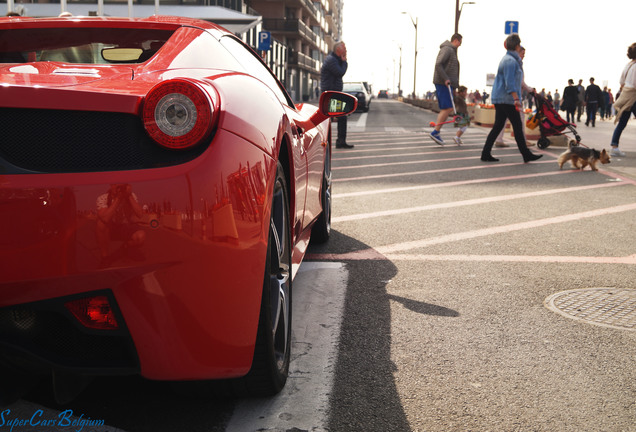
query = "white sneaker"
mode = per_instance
[
  {"x": 616, "y": 152},
  {"x": 501, "y": 144},
  {"x": 458, "y": 140}
]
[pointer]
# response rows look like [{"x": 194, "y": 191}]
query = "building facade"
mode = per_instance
[
  {"x": 308, "y": 29},
  {"x": 303, "y": 31}
]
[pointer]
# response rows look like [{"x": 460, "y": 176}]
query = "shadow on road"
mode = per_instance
[
  {"x": 365, "y": 397},
  {"x": 424, "y": 308}
]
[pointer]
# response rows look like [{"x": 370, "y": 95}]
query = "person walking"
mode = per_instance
[
  {"x": 570, "y": 100},
  {"x": 506, "y": 92},
  {"x": 526, "y": 92},
  {"x": 557, "y": 100},
  {"x": 625, "y": 104},
  {"x": 602, "y": 104},
  {"x": 593, "y": 96},
  {"x": 462, "y": 112},
  {"x": 333, "y": 69},
  {"x": 446, "y": 74},
  {"x": 580, "y": 103}
]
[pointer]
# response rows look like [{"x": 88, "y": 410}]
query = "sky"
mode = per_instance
[{"x": 564, "y": 39}]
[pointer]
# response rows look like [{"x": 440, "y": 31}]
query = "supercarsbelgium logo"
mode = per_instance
[{"x": 38, "y": 420}]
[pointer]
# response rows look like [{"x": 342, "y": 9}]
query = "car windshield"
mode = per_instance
[
  {"x": 353, "y": 87},
  {"x": 81, "y": 45}
]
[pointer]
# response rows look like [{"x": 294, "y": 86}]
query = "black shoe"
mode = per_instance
[
  {"x": 489, "y": 159},
  {"x": 345, "y": 145},
  {"x": 531, "y": 157}
]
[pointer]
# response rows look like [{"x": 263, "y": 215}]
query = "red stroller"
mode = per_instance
[{"x": 550, "y": 122}]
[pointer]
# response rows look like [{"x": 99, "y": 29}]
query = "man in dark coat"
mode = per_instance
[
  {"x": 593, "y": 96},
  {"x": 333, "y": 69},
  {"x": 570, "y": 99}
]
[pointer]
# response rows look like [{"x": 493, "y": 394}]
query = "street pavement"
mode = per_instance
[{"x": 477, "y": 292}]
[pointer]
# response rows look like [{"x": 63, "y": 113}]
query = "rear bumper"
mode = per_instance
[{"x": 189, "y": 294}]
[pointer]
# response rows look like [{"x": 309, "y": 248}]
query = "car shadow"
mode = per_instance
[{"x": 365, "y": 396}]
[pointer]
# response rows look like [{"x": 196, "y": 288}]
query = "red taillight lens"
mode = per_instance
[
  {"x": 93, "y": 312},
  {"x": 178, "y": 114}
]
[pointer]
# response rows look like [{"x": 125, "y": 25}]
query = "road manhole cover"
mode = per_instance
[{"x": 608, "y": 307}]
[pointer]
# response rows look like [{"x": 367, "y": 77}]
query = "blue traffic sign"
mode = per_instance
[
  {"x": 264, "y": 41},
  {"x": 512, "y": 27}
]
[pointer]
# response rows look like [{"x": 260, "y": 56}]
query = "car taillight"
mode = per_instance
[
  {"x": 178, "y": 114},
  {"x": 94, "y": 312}
]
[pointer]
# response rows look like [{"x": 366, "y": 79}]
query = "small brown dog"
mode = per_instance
[{"x": 580, "y": 157}]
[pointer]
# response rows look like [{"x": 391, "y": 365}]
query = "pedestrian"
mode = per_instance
[
  {"x": 625, "y": 104},
  {"x": 525, "y": 90},
  {"x": 333, "y": 69},
  {"x": 477, "y": 97},
  {"x": 445, "y": 78},
  {"x": 506, "y": 93},
  {"x": 610, "y": 104},
  {"x": 580, "y": 103},
  {"x": 602, "y": 104},
  {"x": 462, "y": 111},
  {"x": 570, "y": 100},
  {"x": 593, "y": 96},
  {"x": 557, "y": 100}
]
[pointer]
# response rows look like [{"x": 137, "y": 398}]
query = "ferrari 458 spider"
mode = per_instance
[{"x": 158, "y": 190}]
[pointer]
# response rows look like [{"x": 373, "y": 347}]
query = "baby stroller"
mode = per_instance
[{"x": 550, "y": 122}]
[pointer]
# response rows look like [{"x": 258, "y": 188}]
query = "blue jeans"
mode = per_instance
[{"x": 622, "y": 122}]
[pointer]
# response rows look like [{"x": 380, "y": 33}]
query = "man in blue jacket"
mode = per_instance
[
  {"x": 506, "y": 93},
  {"x": 333, "y": 69}
]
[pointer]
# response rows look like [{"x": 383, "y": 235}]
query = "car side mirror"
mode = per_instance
[
  {"x": 337, "y": 104},
  {"x": 331, "y": 104}
]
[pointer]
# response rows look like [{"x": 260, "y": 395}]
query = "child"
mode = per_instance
[{"x": 462, "y": 112}]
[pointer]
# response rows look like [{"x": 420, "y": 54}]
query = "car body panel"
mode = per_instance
[{"x": 190, "y": 298}]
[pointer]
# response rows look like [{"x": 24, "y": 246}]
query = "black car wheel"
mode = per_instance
[
  {"x": 322, "y": 228},
  {"x": 270, "y": 366}
]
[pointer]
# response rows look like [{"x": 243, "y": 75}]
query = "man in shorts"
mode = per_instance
[{"x": 446, "y": 74}]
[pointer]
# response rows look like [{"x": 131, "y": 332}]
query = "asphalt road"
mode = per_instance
[
  {"x": 445, "y": 324},
  {"x": 454, "y": 295}
]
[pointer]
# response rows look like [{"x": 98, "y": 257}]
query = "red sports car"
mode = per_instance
[{"x": 158, "y": 191}]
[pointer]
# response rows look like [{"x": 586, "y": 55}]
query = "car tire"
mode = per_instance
[
  {"x": 270, "y": 366},
  {"x": 321, "y": 230}
]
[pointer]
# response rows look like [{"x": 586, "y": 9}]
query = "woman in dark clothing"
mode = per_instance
[{"x": 570, "y": 98}]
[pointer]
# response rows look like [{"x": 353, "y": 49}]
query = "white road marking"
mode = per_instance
[{"x": 318, "y": 301}]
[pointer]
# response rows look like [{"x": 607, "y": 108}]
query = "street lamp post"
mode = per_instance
[
  {"x": 458, "y": 12},
  {"x": 400, "y": 75},
  {"x": 414, "y": 21}
]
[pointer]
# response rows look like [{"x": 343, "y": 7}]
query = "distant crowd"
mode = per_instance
[{"x": 605, "y": 107}]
